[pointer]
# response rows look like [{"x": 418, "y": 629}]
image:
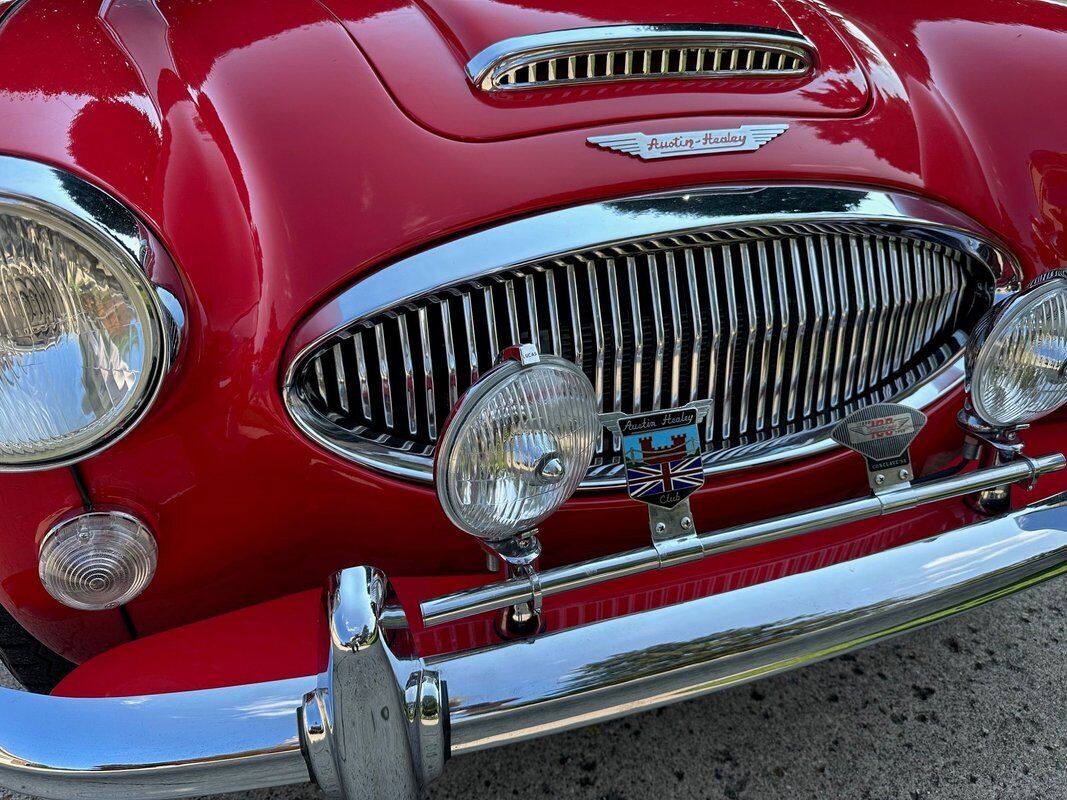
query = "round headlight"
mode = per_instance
[
  {"x": 1018, "y": 357},
  {"x": 82, "y": 343},
  {"x": 97, "y": 560},
  {"x": 516, "y": 447}
]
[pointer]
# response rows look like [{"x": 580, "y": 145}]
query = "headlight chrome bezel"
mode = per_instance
[
  {"x": 990, "y": 328},
  {"x": 94, "y": 220},
  {"x": 514, "y": 362}
]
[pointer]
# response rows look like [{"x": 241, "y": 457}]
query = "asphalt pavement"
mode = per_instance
[{"x": 974, "y": 707}]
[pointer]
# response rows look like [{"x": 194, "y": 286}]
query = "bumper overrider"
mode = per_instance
[{"x": 381, "y": 722}]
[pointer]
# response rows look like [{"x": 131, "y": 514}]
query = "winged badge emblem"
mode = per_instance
[{"x": 690, "y": 143}]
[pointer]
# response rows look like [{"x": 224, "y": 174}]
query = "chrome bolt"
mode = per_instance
[
  {"x": 904, "y": 475},
  {"x": 879, "y": 479},
  {"x": 551, "y": 470},
  {"x": 661, "y": 527},
  {"x": 686, "y": 523}
]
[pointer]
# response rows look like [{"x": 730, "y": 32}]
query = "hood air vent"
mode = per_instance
[{"x": 640, "y": 52}]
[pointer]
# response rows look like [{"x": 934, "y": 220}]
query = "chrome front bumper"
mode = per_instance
[{"x": 380, "y": 725}]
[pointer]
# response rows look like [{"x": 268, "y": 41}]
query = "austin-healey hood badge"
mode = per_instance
[
  {"x": 882, "y": 434},
  {"x": 690, "y": 143}
]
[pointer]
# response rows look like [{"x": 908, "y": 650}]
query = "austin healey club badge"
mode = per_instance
[{"x": 662, "y": 454}]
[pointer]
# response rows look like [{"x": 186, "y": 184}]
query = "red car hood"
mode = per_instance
[{"x": 420, "y": 50}]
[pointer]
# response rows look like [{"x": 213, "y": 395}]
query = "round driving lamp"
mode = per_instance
[
  {"x": 1017, "y": 356},
  {"x": 83, "y": 342},
  {"x": 97, "y": 560},
  {"x": 516, "y": 446}
]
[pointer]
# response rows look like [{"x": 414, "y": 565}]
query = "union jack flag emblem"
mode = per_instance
[{"x": 684, "y": 476}]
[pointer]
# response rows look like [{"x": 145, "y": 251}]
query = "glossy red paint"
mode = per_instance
[
  {"x": 420, "y": 51},
  {"x": 278, "y": 154}
]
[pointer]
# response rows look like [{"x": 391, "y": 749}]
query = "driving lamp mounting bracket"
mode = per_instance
[
  {"x": 997, "y": 445},
  {"x": 517, "y": 559}
]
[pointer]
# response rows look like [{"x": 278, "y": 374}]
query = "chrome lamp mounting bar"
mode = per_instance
[{"x": 696, "y": 546}]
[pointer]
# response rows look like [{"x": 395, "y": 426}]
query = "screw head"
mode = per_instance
[
  {"x": 686, "y": 523},
  {"x": 551, "y": 470},
  {"x": 904, "y": 475},
  {"x": 661, "y": 527},
  {"x": 879, "y": 479}
]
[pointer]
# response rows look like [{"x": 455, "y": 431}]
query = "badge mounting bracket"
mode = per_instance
[
  {"x": 882, "y": 434},
  {"x": 671, "y": 527}
]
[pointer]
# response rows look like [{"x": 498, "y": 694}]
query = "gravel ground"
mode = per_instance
[{"x": 971, "y": 708}]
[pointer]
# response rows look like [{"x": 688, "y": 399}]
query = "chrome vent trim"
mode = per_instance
[
  {"x": 640, "y": 52},
  {"x": 886, "y": 303}
]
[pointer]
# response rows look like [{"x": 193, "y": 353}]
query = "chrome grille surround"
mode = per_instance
[
  {"x": 684, "y": 251},
  {"x": 640, "y": 52}
]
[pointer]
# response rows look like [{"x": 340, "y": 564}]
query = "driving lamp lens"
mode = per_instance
[
  {"x": 80, "y": 339},
  {"x": 1018, "y": 373},
  {"x": 516, "y": 447},
  {"x": 97, "y": 560}
]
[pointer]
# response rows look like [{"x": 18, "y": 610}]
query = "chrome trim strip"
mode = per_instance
[
  {"x": 504, "y": 61},
  {"x": 262, "y": 735},
  {"x": 479, "y": 256},
  {"x": 107, "y": 225},
  {"x": 506, "y": 593}
]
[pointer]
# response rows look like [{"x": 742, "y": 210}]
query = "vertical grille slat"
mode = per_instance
[
  {"x": 826, "y": 364},
  {"x": 658, "y": 331},
  {"x": 409, "y": 372},
  {"x": 784, "y": 327},
  {"x": 427, "y": 373},
  {"x": 768, "y": 332},
  {"x": 813, "y": 273},
  {"x": 751, "y": 326},
  {"x": 716, "y": 330},
  {"x": 783, "y": 335},
  {"x": 676, "y": 328},
  {"x": 802, "y": 328},
  {"x": 696, "y": 324},
  {"x": 364, "y": 384},
  {"x": 383, "y": 374},
  {"x": 852, "y": 377},
  {"x": 734, "y": 323}
]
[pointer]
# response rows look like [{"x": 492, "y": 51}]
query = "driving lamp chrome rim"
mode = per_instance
[
  {"x": 990, "y": 328},
  {"x": 550, "y": 465},
  {"x": 93, "y": 220}
]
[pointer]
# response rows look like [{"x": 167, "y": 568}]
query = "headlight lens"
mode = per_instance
[
  {"x": 1019, "y": 355},
  {"x": 81, "y": 339},
  {"x": 516, "y": 447}
]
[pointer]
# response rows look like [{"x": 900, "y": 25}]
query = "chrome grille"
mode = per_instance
[
  {"x": 639, "y": 52},
  {"x": 667, "y": 63},
  {"x": 786, "y": 327}
]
